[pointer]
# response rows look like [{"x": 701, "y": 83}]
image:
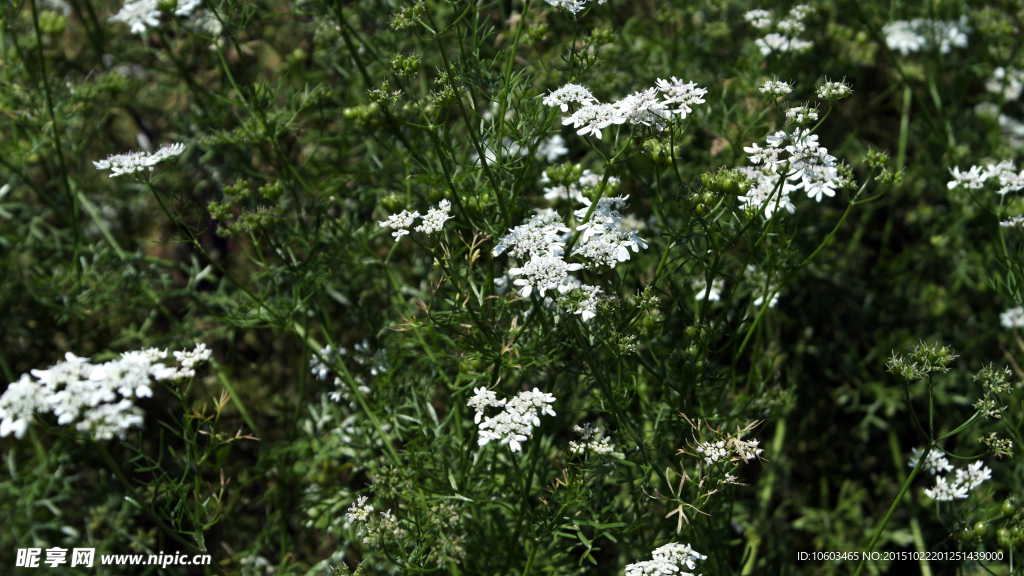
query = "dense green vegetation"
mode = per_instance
[{"x": 425, "y": 262}]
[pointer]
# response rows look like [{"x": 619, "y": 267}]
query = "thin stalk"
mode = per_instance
[
  {"x": 892, "y": 509},
  {"x": 102, "y": 449},
  {"x": 508, "y": 79},
  {"x": 56, "y": 127}
]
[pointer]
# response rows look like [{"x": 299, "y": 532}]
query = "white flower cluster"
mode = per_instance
[
  {"x": 433, "y": 222},
  {"x": 143, "y": 14},
  {"x": 1012, "y": 318},
  {"x": 761, "y": 286},
  {"x": 573, "y": 6},
  {"x": 384, "y": 530},
  {"x": 967, "y": 479},
  {"x": 319, "y": 365},
  {"x": 97, "y": 398},
  {"x": 668, "y": 560},
  {"x": 132, "y": 162},
  {"x": 775, "y": 88},
  {"x": 436, "y": 217},
  {"x": 784, "y": 39},
  {"x": 808, "y": 166},
  {"x": 574, "y": 191},
  {"x": 914, "y": 35},
  {"x": 1014, "y": 222},
  {"x": 641, "y": 108},
  {"x": 1005, "y": 172},
  {"x": 935, "y": 464},
  {"x": 1008, "y": 82},
  {"x": 514, "y": 424},
  {"x": 832, "y": 90},
  {"x": 700, "y": 289},
  {"x": 581, "y": 300},
  {"x": 552, "y": 148},
  {"x": 591, "y": 441},
  {"x": 604, "y": 242},
  {"x": 540, "y": 235},
  {"x": 759, "y": 19},
  {"x": 570, "y": 94},
  {"x": 713, "y": 452},
  {"x": 544, "y": 273},
  {"x": 801, "y": 115},
  {"x": 729, "y": 449}
]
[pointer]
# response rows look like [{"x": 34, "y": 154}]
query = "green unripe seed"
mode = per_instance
[
  {"x": 980, "y": 529},
  {"x": 393, "y": 202},
  {"x": 1009, "y": 507},
  {"x": 967, "y": 534}
]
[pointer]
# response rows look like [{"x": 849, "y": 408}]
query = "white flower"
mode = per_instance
[
  {"x": 581, "y": 300},
  {"x": 18, "y": 405},
  {"x": 573, "y": 6},
  {"x": 1012, "y": 318},
  {"x": 773, "y": 42},
  {"x": 592, "y": 441},
  {"x": 972, "y": 179},
  {"x": 901, "y": 35},
  {"x": 758, "y": 18},
  {"x": 1008, "y": 82},
  {"x": 105, "y": 421},
  {"x": 801, "y": 114},
  {"x": 832, "y": 90},
  {"x": 321, "y": 368},
  {"x": 1009, "y": 179},
  {"x": 516, "y": 422},
  {"x": 604, "y": 218},
  {"x": 435, "y": 218},
  {"x": 791, "y": 27},
  {"x": 912, "y": 36},
  {"x": 194, "y": 357},
  {"x": 139, "y": 15},
  {"x": 667, "y": 560},
  {"x": 605, "y": 241},
  {"x": 359, "y": 512},
  {"x": 552, "y": 149},
  {"x": 712, "y": 451},
  {"x": 570, "y": 94},
  {"x": 747, "y": 449},
  {"x": 98, "y": 399},
  {"x": 776, "y": 42},
  {"x": 944, "y": 492},
  {"x": 676, "y": 92},
  {"x": 544, "y": 273},
  {"x": 700, "y": 288},
  {"x": 775, "y": 88},
  {"x": 187, "y": 7},
  {"x": 132, "y": 162},
  {"x": 400, "y": 222},
  {"x": 815, "y": 188},
  {"x": 482, "y": 399},
  {"x": 591, "y": 119},
  {"x": 974, "y": 475},
  {"x": 1014, "y": 222},
  {"x": 935, "y": 464},
  {"x": 538, "y": 236},
  {"x": 810, "y": 167}
]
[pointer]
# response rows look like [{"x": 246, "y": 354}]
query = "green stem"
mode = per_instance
[
  {"x": 529, "y": 563},
  {"x": 508, "y": 79},
  {"x": 102, "y": 449},
  {"x": 892, "y": 509}
]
